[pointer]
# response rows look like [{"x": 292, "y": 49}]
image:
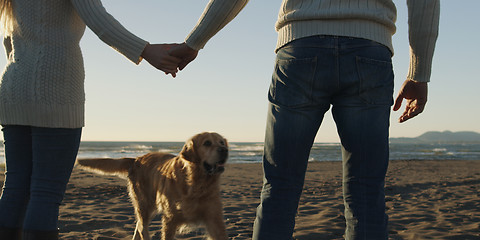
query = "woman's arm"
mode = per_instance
[{"x": 109, "y": 30}]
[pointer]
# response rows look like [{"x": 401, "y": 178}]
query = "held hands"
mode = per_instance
[
  {"x": 157, "y": 55},
  {"x": 169, "y": 58},
  {"x": 416, "y": 95},
  {"x": 184, "y": 52}
]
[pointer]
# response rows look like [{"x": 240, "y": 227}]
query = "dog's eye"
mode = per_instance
[
  {"x": 207, "y": 143},
  {"x": 222, "y": 143}
]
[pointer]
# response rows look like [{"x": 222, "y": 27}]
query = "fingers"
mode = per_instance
[
  {"x": 413, "y": 108},
  {"x": 170, "y": 63},
  {"x": 171, "y": 73},
  {"x": 184, "y": 52},
  {"x": 184, "y": 63},
  {"x": 169, "y": 58},
  {"x": 415, "y": 93},
  {"x": 398, "y": 102},
  {"x": 157, "y": 55},
  {"x": 167, "y": 71}
]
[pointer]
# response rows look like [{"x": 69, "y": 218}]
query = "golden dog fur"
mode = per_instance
[{"x": 184, "y": 188}]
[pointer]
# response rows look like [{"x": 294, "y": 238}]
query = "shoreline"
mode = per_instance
[
  {"x": 425, "y": 199},
  {"x": 2, "y": 164}
]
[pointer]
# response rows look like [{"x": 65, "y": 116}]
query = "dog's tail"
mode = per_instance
[{"x": 107, "y": 166}]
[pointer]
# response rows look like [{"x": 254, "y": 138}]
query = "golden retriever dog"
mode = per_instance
[{"x": 185, "y": 189}]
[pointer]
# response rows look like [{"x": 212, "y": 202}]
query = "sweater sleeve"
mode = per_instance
[
  {"x": 216, "y": 15},
  {"x": 109, "y": 30},
  {"x": 423, "y": 21}
]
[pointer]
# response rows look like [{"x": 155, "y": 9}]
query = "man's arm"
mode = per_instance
[
  {"x": 216, "y": 15},
  {"x": 423, "y": 20}
]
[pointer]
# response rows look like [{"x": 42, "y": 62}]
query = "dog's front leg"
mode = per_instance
[
  {"x": 169, "y": 227},
  {"x": 141, "y": 232},
  {"x": 215, "y": 225}
]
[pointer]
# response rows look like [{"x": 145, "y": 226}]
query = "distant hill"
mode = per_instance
[{"x": 445, "y": 136}]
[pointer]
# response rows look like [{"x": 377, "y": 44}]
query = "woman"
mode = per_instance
[{"x": 42, "y": 103}]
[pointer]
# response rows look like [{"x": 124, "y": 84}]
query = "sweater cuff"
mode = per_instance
[
  {"x": 195, "y": 44},
  {"x": 420, "y": 67},
  {"x": 134, "y": 52}
]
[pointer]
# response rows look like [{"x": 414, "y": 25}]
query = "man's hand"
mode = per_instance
[
  {"x": 157, "y": 55},
  {"x": 416, "y": 95},
  {"x": 184, "y": 52}
]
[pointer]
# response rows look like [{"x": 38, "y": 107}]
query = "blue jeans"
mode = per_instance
[
  {"x": 39, "y": 162},
  {"x": 355, "y": 76}
]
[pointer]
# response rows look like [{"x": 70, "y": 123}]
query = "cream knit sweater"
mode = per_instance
[
  {"x": 43, "y": 82},
  {"x": 368, "y": 19}
]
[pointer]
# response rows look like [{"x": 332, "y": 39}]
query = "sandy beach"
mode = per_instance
[{"x": 425, "y": 200}]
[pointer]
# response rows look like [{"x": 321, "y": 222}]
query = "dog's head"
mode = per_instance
[{"x": 208, "y": 150}]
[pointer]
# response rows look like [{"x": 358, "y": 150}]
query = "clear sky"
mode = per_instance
[{"x": 225, "y": 88}]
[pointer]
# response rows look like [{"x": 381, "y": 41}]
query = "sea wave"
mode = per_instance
[{"x": 252, "y": 152}]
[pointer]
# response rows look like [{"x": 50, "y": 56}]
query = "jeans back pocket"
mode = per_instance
[
  {"x": 376, "y": 81},
  {"x": 292, "y": 82}
]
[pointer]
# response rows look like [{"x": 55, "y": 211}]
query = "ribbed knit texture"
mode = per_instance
[
  {"x": 216, "y": 15},
  {"x": 43, "y": 82},
  {"x": 423, "y": 20},
  {"x": 372, "y": 19},
  {"x": 368, "y": 19}
]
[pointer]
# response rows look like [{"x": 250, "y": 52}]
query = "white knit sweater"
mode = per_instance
[
  {"x": 368, "y": 19},
  {"x": 43, "y": 82}
]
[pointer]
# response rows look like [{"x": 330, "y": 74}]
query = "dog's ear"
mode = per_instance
[
  {"x": 188, "y": 152},
  {"x": 226, "y": 142}
]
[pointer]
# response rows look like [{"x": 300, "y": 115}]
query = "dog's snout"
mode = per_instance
[
  {"x": 222, "y": 149},
  {"x": 223, "y": 161}
]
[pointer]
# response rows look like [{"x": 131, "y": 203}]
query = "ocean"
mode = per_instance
[{"x": 252, "y": 152}]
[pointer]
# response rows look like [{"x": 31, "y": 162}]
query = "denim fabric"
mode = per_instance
[
  {"x": 355, "y": 77},
  {"x": 39, "y": 162}
]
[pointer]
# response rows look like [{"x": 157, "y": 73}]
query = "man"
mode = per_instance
[{"x": 332, "y": 53}]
